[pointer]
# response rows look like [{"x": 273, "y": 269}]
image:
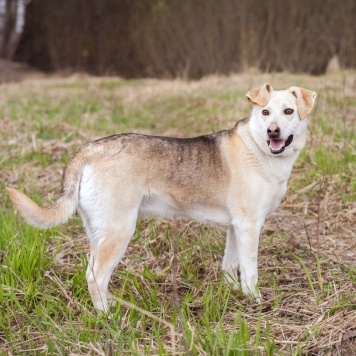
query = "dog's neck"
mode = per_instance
[{"x": 277, "y": 166}]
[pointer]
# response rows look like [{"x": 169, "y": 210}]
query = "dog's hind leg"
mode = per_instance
[{"x": 105, "y": 254}]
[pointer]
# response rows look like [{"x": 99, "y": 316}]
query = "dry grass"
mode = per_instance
[{"x": 307, "y": 258}]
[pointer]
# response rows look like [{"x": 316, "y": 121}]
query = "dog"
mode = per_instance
[{"x": 233, "y": 179}]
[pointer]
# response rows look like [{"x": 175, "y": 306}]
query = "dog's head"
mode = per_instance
[{"x": 278, "y": 121}]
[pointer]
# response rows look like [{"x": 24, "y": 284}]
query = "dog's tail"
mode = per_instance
[{"x": 60, "y": 211}]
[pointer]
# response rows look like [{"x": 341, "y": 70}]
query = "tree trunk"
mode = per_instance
[{"x": 12, "y": 20}]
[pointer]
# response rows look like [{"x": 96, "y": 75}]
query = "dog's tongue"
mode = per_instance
[{"x": 277, "y": 145}]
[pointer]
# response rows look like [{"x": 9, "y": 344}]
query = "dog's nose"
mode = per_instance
[{"x": 273, "y": 130}]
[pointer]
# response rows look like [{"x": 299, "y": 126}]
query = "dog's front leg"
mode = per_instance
[
  {"x": 230, "y": 262},
  {"x": 246, "y": 234}
]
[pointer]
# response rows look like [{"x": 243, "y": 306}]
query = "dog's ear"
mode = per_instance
[
  {"x": 305, "y": 100},
  {"x": 260, "y": 96}
]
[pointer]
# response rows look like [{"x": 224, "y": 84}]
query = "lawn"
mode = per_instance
[{"x": 171, "y": 291}]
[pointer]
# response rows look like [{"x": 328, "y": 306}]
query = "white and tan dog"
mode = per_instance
[{"x": 231, "y": 178}]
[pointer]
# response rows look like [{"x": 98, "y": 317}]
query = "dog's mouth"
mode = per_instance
[{"x": 278, "y": 146}]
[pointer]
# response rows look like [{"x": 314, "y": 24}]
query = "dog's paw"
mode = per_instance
[
  {"x": 258, "y": 298},
  {"x": 232, "y": 279},
  {"x": 111, "y": 300},
  {"x": 252, "y": 292}
]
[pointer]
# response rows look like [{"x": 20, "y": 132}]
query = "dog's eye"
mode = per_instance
[
  {"x": 265, "y": 112},
  {"x": 288, "y": 111}
]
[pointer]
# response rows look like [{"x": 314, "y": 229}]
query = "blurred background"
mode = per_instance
[{"x": 185, "y": 38}]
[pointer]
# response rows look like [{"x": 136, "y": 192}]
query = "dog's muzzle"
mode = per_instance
[{"x": 278, "y": 146}]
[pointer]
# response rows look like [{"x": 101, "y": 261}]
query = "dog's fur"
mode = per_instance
[{"x": 231, "y": 178}]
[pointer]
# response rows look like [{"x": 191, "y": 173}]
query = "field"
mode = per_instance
[{"x": 177, "y": 302}]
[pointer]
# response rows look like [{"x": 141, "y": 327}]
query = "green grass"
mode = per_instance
[{"x": 309, "y": 298}]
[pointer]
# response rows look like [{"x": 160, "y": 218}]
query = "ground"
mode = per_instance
[
  {"x": 307, "y": 260},
  {"x": 15, "y": 71}
]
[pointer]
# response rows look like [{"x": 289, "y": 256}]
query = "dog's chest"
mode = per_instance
[
  {"x": 276, "y": 195},
  {"x": 276, "y": 175}
]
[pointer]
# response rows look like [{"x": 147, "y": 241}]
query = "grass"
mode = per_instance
[{"x": 307, "y": 259}]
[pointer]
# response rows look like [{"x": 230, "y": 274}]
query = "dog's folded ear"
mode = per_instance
[
  {"x": 305, "y": 100},
  {"x": 260, "y": 96}
]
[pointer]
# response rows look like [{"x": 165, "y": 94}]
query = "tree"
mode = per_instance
[{"x": 12, "y": 21}]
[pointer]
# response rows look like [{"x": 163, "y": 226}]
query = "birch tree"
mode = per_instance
[{"x": 12, "y": 21}]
